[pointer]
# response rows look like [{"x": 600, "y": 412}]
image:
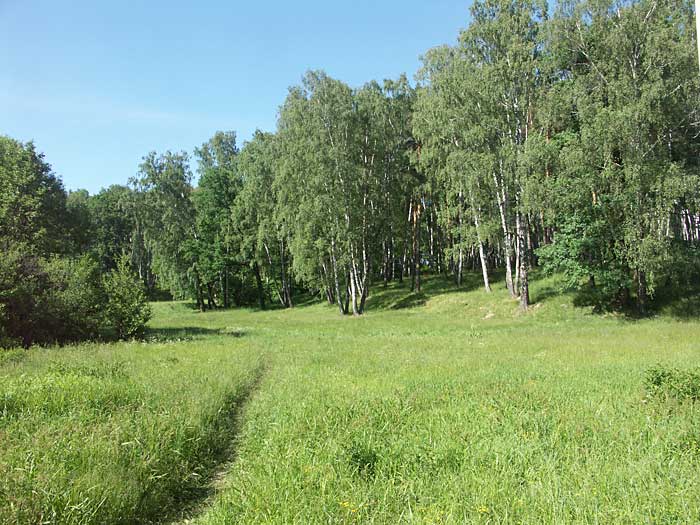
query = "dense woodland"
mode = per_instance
[{"x": 563, "y": 138}]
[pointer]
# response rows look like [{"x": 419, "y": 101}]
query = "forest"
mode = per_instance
[
  {"x": 564, "y": 139},
  {"x": 471, "y": 295}
]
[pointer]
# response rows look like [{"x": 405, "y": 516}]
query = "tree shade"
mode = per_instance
[{"x": 565, "y": 139}]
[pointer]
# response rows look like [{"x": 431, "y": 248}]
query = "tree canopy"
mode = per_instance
[{"x": 564, "y": 139}]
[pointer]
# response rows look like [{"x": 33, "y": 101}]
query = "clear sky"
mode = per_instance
[{"x": 98, "y": 84}]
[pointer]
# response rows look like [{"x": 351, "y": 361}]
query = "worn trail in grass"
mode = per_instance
[
  {"x": 442, "y": 407},
  {"x": 457, "y": 409},
  {"x": 125, "y": 433}
]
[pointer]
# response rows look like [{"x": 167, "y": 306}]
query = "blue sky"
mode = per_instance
[{"x": 98, "y": 84}]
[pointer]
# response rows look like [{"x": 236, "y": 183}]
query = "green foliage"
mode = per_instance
[
  {"x": 630, "y": 79},
  {"x": 81, "y": 223},
  {"x": 44, "y": 301},
  {"x": 344, "y": 182},
  {"x": 570, "y": 142},
  {"x": 666, "y": 382},
  {"x": 32, "y": 200},
  {"x": 60, "y": 300},
  {"x": 72, "y": 307},
  {"x": 219, "y": 183},
  {"x": 127, "y": 310},
  {"x": 558, "y": 124},
  {"x": 260, "y": 221},
  {"x": 112, "y": 226},
  {"x": 165, "y": 217},
  {"x": 22, "y": 280},
  {"x": 567, "y": 138},
  {"x": 588, "y": 261}
]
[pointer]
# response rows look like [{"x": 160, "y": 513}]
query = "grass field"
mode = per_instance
[{"x": 442, "y": 407}]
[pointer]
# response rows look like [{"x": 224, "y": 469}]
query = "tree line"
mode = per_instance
[
  {"x": 562, "y": 138},
  {"x": 63, "y": 276}
]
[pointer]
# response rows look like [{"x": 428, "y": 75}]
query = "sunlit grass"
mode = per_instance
[
  {"x": 116, "y": 433},
  {"x": 463, "y": 410},
  {"x": 441, "y": 407}
]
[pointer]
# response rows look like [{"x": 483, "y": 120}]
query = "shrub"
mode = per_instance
[
  {"x": 127, "y": 309},
  {"x": 5, "y": 340},
  {"x": 48, "y": 301},
  {"x": 74, "y": 305},
  {"x": 22, "y": 280}
]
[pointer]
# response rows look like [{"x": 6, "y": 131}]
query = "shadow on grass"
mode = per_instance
[
  {"x": 221, "y": 453},
  {"x": 686, "y": 307},
  {"x": 301, "y": 299},
  {"x": 398, "y": 295},
  {"x": 541, "y": 295},
  {"x": 683, "y": 304},
  {"x": 186, "y": 333},
  {"x": 677, "y": 302}
]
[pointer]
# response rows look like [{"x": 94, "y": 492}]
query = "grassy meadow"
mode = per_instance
[{"x": 447, "y": 406}]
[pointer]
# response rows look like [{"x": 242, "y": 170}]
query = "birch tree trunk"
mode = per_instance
[
  {"x": 415, "y": 277},
  {"x": 518, "y": 250},
  {"x": 523, "y": 268},
  {"x": 501, "y": 197},
  {"x": 484, "y": 269},
  {"x": 353, "y": 290},
  {"x": 334, "y": 265},
  {"x": 259, "y": 284}
]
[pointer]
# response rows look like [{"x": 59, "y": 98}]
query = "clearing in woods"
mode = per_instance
[{"x": 445, "y": 406}]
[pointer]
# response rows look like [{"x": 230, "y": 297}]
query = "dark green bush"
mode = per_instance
[
  {"x": 127, "y": 310},
  {"x": 74, "y": 305},
  {"x": 61, "y": 300},
  {"x": 22, "y": 282},
  {"x": 48, "y": 301}
]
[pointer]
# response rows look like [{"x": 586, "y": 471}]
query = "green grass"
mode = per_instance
[
  {"x": 441, "y": 407},
  {"x": 116, "y": 433}
]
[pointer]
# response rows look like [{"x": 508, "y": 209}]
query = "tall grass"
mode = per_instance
[
  {"x": 461, "y": 410},
  {"x": 116, "y": 433},
  {"x": 447, "y": 406}
]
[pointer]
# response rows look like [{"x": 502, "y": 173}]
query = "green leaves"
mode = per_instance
[
  {"x": 127, "y": 310},
  {"x": 632, "y": 78},
  {"x": 165, "y": 215},
  {"x": 32, "y": 200}
]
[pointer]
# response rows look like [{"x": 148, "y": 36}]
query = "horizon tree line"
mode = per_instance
[{"x": 562, "y": 138}]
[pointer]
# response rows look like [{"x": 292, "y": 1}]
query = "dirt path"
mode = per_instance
[{"x": 199, "y": 502}]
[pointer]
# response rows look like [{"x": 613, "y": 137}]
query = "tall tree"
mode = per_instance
[
  {"x": 113, "y": 225},
  {"x": 166, "y": 219},
  {"x": 259, "y": 230},
  {"x": 32, "y": 200},
  {"x": 219, "y": 183},
  {"x": 625, "y": 199}
]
